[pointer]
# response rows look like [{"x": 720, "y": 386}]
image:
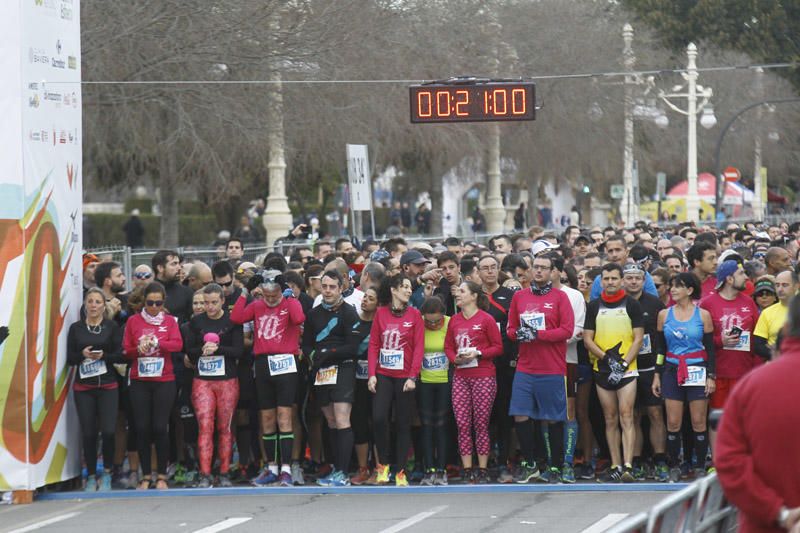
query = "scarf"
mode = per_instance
[
  {"x": 613, "y": 299},
  {"x": 153, "y": 320},
  {"x": 541, "y": 291},
  {"x": 348, "y": 292},
  {"x": 334, "y": 306},
  {"x": 398, "y": 312}
]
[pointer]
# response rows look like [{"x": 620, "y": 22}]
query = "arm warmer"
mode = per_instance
[
  {"x": 708, "y": 343},
  {"x": 761, "y": 348}
]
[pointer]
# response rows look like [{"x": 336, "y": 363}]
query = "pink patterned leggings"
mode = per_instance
[
  {"x": 472, "y": 404},
  {"x": 214, "y": 399}
]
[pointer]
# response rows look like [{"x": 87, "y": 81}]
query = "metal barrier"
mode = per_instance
[{"x": 699, "y": 507}]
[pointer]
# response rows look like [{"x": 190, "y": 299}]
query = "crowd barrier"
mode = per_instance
[{"x": 700, "y": 507}]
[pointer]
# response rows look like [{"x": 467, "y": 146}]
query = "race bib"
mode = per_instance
[
  {"x": 533, "y": 320},
  {"x": 327, "y": 375},
  {"x": 434, "y": 361},
  {"x": 472, "y": 364},
  {"x": 362, "y": 370},
  {"x": 697, "y": 377},
  {"x": 211, "y": 365},
  {"x": 391, "y": 359},
  {"x": 647, "y": 347},
  {"x": 744, "y": 342},
  {"x": 92, "y": 369},
  {"x": 280, "y": 364},
  {"x": 150, "y": 367}
]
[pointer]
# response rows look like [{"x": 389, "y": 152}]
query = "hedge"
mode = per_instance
[{"x": 105, "y": 229}]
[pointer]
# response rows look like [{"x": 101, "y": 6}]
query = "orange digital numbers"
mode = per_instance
[{"x": 472, "y": 102}]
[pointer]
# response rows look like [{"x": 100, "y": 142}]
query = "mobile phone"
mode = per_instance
[
  {"x": 96, "y": 352},
  {"x": 735, "y": 330}
]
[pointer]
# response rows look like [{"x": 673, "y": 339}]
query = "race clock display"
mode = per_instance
[{"x": 491, "y": 101}]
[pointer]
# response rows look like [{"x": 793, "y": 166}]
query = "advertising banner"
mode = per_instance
[{"x": 40, "y": 238}]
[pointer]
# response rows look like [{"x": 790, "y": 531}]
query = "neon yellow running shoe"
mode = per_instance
[{"x": 400, "y": 479}]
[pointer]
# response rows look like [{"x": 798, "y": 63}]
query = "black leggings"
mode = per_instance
[
  {"x": 97, "y": 405},
  {"x": 388, "y": 391},
  {"x": 152, "y": 403},
  {"x": 361, "y": 415},
  {"x": 433, "y": 403}
]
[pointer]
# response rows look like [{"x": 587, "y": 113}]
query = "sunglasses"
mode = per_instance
[
  {"x": 154, "y": 303},
  {"x": 764, "y": 293},
  {"x": 434, "y": 322},
  {"x": 142, "y": 275},
  {"x": 228, "y": 284},
  {"x": 564, "y": 280}
]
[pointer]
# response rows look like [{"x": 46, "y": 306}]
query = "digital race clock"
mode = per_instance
[{"x": 469, "y": 101}]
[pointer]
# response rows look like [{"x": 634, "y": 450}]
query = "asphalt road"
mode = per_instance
[{"x": 387, "y": 512}]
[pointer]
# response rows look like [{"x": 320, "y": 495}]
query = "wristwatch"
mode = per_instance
[{"x": 783, "y": 516}]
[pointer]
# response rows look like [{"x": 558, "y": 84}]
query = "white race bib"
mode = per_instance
[
  {"x": 327, "y": 375},
  {"x": 280, "y": 364},
  {"x": 697, "y": 377},
  {"x": 744, "y": 342},
  {"x": 211, "y": 365},
  {"x": 391, "y": 359},
  {"x": 532, "y": 320},
  {"x": 92, "y": 369},
  {"x": 435, "y": 361},
  {"x": 647, "y": 346},
  {"x": 150, "y": 367},
  {"x": 362, "y": 369}
]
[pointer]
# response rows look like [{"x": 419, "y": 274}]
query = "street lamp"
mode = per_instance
[{"x": 708, "y": 120}]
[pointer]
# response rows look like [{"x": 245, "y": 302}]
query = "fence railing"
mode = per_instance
[{"x": 699, "y": 507}]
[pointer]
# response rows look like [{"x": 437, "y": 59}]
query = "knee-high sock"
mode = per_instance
[
  {"x": 344, "y": 449},
  {"x": 548, "y": 450},
  {"x": 270, "y": 446},
  {"x": 332, "y": 445},
  {"x": 701, "y": 448},
  {"x": 526, "y": 440},
  {"x": 674, "y": 447},
  {"x": 286, "y": 441},
  {"x": 556, "y": 444}
]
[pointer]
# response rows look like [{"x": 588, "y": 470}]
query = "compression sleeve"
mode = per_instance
[
  {"x": 708, "y": 344},
  {"x": 761, "y": 348}
]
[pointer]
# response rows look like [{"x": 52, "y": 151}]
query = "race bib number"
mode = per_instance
[
  {"x": 391, "y": 359},
  {"x": 327, "y": 375},
  {"x": 473, "y": 362},
  {"x": 362, "y": 370},
  {"x": 434, "y": 361},
  {"x": 697, "y": 377},
  {"x": 744, "y": 342},
  {"x": 281, "y": 364},
  {"x": 647, "y": 347},
  {"x": 533, "y": 320},
  {"x": 92, "y": 369},
  {"x": 150, "y": 367},
  {"x": 211, "y": 365}
]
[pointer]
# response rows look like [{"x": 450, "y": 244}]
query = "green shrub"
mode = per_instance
[
  {"x": 144, "y": 205},
  {"x": 105, "y": 229}
]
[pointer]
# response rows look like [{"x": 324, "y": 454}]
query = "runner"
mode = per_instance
[
  {"x": 773, "y": 318},
  {"x": 214, "y": 345},
  {"x": 361, "y": 415},
  {"x": 151, "y": 337},
  {"x": 687, "y": 372},
  {"x": 277, "y": 321},
  {"x": 542, "y": 320},
  {"x": 471, "y": 343},
  {"x": 613, "y": 335},
  {"x": 396, "y": 348},
  {"x": 433, "y": 392},
  {"x": 94, "y": 344},
  {"x": 329, "y": 344}
]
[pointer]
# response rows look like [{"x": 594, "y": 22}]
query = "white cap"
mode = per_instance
[{"x": 542, "y": 245}]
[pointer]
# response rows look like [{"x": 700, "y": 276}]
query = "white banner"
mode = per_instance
[
  {"x": 40, "y": 238},
  {"x": 358, "y": 177}
]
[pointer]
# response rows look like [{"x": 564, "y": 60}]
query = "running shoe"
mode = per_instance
[
  {"x": 339, "y": 479},
  {"x": 639, "y": 473},
  {"x": 428, "y": 480},
  {"x": 675, "y": 474},
  {"x": 687, "y": 471},
  {"x": 191, "y": 476},
  {"x": 326, "y": 481},
  {"x": 662, "y": 472},
  {"x": 526, "y": 472},
  {"x": 91, "y": 484},
  {"x": 482, "y": 477},
  {"x": 266, "y": 477},
  {"x": 504, "y": 476},
  {"x": 285, "y": 479},
  {"x": 105, "y": 482},
  {"x": 297, "y": 474},
  {"x": 224, "y": 480},
  {"x": 382, "y": 477},
  {"x": 441, "y": 478},
  {"x": 400, "y": 479},
  {"x": 454, "y": 473},
  {"x": 361, "y": 477},
  {"x": 178, "y": 473},
  {"x": 323, "y": 470},
  {"x": 601, "y": 465},
  {"x": 544, "y": 475},
  {"x": 711, "y": 470},
  {"x": 133, "y": 479},
  {"x": 416, "y": 476},
  {"x": 470, "y": 476},
  {"x": 568, "y": 473},
  {"x": 612, "y": 475},
  {"x": 555, "y": 475},
  {"x": 585, "y": 471},
  {"x": 628, "y": 475},
  {"x": 203, "y": 482}
]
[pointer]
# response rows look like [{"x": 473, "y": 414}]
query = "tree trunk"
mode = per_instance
[
  {"x": 533, "y": 199},
  {"x": 437, "y": 199},
  {"x": 168, "y": 236}
]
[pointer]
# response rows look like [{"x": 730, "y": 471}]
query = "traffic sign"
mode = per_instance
[
  {"x": 732, "y": 174},
  {"x": 617, "y": 191},
  {"x": 661, "y": 185}
]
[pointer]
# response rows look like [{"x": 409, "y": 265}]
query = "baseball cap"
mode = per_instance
[
  {"x": 632, "y": 268},
  {"x": 727, "y": 268},
  {"x": 412, "y": 257},
  {"x": 764, "y": 285},
  {"x": 89, "y": 258},
  {"x": 542, "y": 245},
  {"x": 583, "y": 237},
  {"x": 729, "y": 255},
  {"x": 377, "y": 255}
]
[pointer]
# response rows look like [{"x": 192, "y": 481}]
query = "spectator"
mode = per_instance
[
  {"x": 246, "y": 232},
  {"x": 134, "y": 230}
]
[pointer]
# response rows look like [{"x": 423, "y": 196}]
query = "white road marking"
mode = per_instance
[
  {"x": 605, "y": 523},
  {"x": 528, "y": 523},
  {"x": 417, "y": 518},
  {"x": 225, "y": 524},
  {"x": 43, "y": 523}
]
